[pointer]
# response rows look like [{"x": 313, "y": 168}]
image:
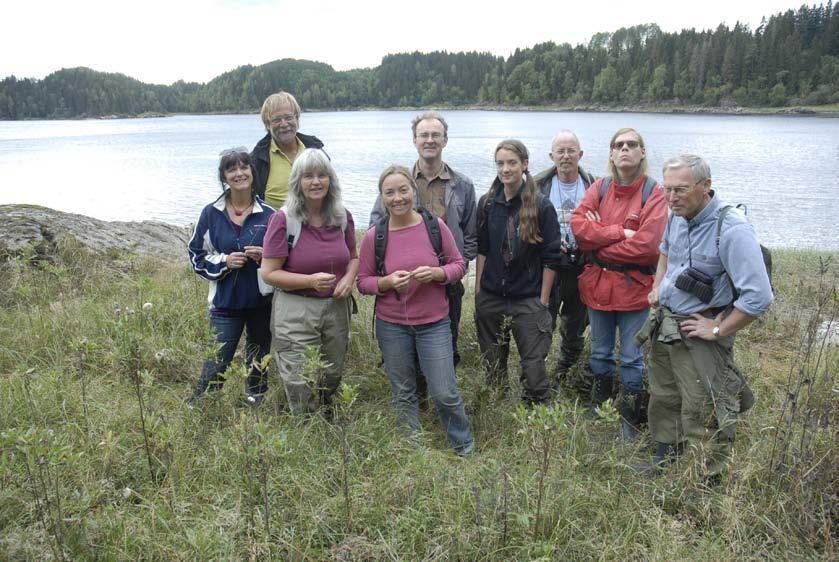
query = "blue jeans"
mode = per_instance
[
  {"x": 431, "y": 344},
  {"x": 602, "y": 362},
  {"x": 228, "y": 330}
]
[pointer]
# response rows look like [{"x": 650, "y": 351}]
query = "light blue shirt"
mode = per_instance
[
  {"x": 565, "y": 197},
  {"x": 738, "y": 258}
]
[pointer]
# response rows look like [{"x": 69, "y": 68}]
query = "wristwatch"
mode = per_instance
[{"x": 716, "y": 331}]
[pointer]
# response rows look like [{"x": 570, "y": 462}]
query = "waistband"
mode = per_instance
[{"x": 623, "y": 267}]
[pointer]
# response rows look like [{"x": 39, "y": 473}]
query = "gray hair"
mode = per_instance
[
  {"x": 430, "y": 115},
  {"x": 332, "y": 211},
  {"x": 565, "y": 132},
  {"x": 698, "y": 167}
]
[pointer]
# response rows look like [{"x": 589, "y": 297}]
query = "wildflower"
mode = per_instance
[
  {"x": 147, "y": 306},
  {"x": 126, "y": 492}
]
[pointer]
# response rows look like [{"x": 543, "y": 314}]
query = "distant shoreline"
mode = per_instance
[{"x": 831, "y": 110}]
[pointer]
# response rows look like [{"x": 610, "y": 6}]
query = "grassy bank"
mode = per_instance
[{"x": 101, "y": 459}]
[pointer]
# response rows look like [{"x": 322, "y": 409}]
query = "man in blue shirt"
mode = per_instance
[{"x": 706, "y": 289}]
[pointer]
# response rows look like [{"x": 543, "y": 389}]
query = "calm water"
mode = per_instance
[{"x": 783, "y": 168}]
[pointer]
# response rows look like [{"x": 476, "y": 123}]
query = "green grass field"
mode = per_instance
[{"x": 85, "y": 476}]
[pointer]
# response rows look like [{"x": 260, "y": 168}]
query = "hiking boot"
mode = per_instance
[
  {"x": 630, "y": 409},
  {"x": 601, "y": 390},
  {"x": 665, "y": 455}
]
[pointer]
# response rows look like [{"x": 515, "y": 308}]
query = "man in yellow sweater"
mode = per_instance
[{"x": 276, "y": 152}]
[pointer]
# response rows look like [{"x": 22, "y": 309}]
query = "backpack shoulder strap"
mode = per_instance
[
  {"x": 647, "y": 190},
  {"x": 380, "y": 244},
  {"x": 432, "y": 225},
  {"x": 649, "y": 184},
  {"x": 293, "y": 228},
  {"x": 604, "y": 186},
  {"x": 484, "y": 205},
  {"x": 723, "y": 212}
]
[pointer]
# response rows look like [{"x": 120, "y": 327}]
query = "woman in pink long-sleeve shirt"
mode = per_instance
[{"x": 412, "y": 310}]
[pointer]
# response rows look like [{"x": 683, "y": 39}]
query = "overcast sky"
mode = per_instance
[{"x": 162, "y": 41}]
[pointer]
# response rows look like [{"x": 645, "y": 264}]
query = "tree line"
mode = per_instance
[{"x": 790, "y": 59}]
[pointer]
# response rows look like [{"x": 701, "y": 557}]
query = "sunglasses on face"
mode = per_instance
[
  {"x": 232, "y": 151},
  {"x": 627, "y": 143}
]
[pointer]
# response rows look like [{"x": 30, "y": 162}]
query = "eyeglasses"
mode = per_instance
[
  {"x": 280, "y": 119},
  {"x": 565, "y": 152},
  {"x": 630, "y": 144},
  {"x": 432, "y": 136},
  {"x": 679, "y": 190},
  {"x": 232, "y": 151}
]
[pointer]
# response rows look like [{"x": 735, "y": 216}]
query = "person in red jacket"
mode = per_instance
[{"x": 621, "y": 231}]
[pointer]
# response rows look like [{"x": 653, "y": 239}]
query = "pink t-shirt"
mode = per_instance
[
  {"x": 322, "y": 249},
  {"x": 407, "y": 249}
]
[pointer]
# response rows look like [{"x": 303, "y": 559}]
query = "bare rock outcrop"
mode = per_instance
[{"x": 30, "y": 229}]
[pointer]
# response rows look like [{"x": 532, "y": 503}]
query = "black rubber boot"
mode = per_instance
[
  {"x": 665, "y": 455},
  {"x": 206, "y": 383},
  {"x": 631, "y": 401},
  {"x": 601, "y": 390}
]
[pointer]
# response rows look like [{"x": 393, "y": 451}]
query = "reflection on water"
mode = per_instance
[{"x": 783, "y": 168}]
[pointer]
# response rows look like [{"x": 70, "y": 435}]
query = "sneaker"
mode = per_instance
[
  {"x": 254, "y": 400},
  {"x": 467, "y": 451}
]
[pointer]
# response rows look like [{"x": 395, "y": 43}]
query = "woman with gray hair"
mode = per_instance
[{"x": 310, "y": 256}]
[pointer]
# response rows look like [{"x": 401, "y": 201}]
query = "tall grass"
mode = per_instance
[{"x": 81, "y": 479}]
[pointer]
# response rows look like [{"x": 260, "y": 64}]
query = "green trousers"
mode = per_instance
[{"x": 696, "y": 393}]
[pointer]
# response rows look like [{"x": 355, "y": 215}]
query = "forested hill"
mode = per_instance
[{"x": 790, "y": 59}]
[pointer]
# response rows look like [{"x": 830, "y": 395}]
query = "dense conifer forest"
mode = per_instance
[{"x": 792, "y": 58}]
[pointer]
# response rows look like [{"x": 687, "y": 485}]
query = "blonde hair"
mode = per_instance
[
  {"x": 274, "y": 102},
  {"x": 642, "y": 167},
  {"x": 395, "y": 169}
]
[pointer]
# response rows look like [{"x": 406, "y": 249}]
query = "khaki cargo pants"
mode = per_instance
[
  {"x": 696, "y": 393},
  {"x": 298, "y": 322}
]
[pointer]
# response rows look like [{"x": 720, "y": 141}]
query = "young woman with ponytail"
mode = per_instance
[{"x": 515, "y": 274}]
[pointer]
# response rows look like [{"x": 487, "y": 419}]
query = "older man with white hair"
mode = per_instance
[
  {"x": 564, "y": 184},
  {"x": 710, "y": 283}
]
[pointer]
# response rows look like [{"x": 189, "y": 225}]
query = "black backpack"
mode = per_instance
[{"x": 432, "y": 226}]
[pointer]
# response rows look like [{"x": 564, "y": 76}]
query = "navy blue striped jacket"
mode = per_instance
[{"x": 213, "y": 238}]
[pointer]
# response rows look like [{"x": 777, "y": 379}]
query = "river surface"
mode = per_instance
[{"x": 782, "y": 168}]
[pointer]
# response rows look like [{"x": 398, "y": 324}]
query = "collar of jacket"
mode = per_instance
[
  {"x": 220, "y": 203},
  {"x": 262, "y": 149},
  {"x": 543, "y": 179}
]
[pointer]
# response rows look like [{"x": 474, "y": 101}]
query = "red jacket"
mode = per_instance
[{"x": 603, "y": 289}]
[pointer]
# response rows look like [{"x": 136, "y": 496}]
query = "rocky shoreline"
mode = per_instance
[{"x": 38, "y": 232}]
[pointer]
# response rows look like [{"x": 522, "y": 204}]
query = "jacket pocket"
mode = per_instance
[{"x": 645, "y": 281}]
